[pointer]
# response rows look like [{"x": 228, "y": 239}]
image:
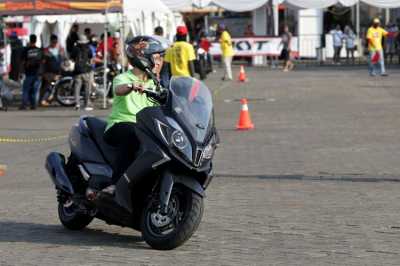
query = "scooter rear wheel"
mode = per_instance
[{"x": 71, "y": 217}]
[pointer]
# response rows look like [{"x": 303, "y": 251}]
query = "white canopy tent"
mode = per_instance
[
  {"x": 248, "y": 5},
  {"x": 139, "y": 17},
  {"x": 144, "y": 16},
  {"x": 60, "y": 25}
]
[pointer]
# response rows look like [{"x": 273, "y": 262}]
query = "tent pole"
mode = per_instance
[
  {"x": 206, "y": 23},
  {"x": 359, "y": 48},
  {"x": 6, "y": 55},
  {"x": 387, "y": 16},
  {"x": 105, "y": 57},
  {"x": 275, "y": 7},
  {"x": 122, "y": 42}
]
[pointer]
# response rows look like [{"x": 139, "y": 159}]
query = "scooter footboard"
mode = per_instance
[{"x": 55, "y": 165}]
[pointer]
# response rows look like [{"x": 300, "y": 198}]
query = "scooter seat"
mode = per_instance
[{"x": 96, "y": 127}]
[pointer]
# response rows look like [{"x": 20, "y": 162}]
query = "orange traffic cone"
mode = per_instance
[
  {"x": 3, "y": 169},
  {"x": 244, "y": 122},
  {"x": 242, "y": 74}
]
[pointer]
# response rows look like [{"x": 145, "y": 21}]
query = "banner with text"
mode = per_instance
[{"x": 257, "y": 46}]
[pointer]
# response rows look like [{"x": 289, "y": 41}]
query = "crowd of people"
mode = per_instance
[
  {"x": 389, "y": 41},
  {"x": 41, "y": 66}
]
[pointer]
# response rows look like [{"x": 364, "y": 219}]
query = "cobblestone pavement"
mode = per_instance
[{"x": 279, "y": 197}]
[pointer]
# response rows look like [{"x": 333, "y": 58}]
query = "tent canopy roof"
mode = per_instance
[
  {"x": 249, "y": 5},
  {"x": 51, "y": 7},
  {"x": 136, "y": 6},
  {"x": 130, "y": 9}
]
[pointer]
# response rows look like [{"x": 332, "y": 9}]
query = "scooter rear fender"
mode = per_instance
[{"x": 55, "y": 165}]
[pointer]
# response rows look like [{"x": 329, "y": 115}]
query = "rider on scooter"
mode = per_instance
[{"x": 129, "y": 99}]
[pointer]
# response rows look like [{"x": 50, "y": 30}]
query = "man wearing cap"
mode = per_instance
[
  {"x": 374, "y": 35},
  {"x": 180, "y": 56},
  {"x": 82, "y": 55}
]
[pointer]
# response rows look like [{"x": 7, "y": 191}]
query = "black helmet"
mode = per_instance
[{"x": 140, "y": 50}]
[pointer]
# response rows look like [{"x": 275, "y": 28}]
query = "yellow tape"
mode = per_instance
[{"x": 4, "y": 139}]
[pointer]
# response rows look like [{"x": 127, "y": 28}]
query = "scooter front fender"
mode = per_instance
[{"x": 167, "y": 183}]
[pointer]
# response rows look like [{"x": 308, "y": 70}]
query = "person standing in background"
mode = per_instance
[
  {"x": 337, "y": 37},
  {"x": 72, "y": 38},
  {"x": 205, "y": 44},
  {"x": 390, "y": 50},
  {"x": 32, "y": 59},
  {"x": 82, "y": 56},
  {"x": 225, "y": 41},
  {"x": 286, "y": 43},
  {"x": 375, "y": 35},
  {"x": 350, "y": 39},
  {"x": 165, "y": 71},
  {"x": 16, "y": 56},
  {"x": 88, "y": 33},
  {"x": 249, "y": 31},
  {"x": 180, "y": 56},
  {"x": 53, "y": 56}
]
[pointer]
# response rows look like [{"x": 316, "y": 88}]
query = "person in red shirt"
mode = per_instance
[
  {"x": 101, "y": 48},
  {"x": 205, "y": 44}
]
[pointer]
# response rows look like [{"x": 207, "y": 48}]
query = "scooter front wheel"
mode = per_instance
[
  {"x": 71, "y": 217},
  {"x": 165, "y": 232}
]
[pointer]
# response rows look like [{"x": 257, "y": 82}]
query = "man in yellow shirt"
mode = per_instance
[
  {"x": 374, "y": 35},
  {"x": 180, "y": 56},
  {"x": 227, "y": 51}
]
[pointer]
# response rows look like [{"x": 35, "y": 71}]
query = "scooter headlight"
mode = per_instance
[{"x": 179, "y": 139}]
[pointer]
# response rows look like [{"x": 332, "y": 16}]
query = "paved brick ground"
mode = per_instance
[{"x": 310, "y": 124}]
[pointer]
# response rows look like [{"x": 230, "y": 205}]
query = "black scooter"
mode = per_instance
[{"x": 161, "y": 193}]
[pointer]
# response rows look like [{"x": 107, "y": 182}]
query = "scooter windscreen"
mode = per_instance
[{"x": 192, "y": 104}]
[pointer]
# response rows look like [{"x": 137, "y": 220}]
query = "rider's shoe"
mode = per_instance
[{"x": 109, "y": 190}]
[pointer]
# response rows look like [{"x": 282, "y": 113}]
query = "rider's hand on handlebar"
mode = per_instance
[{"x": 137, "y": 87}]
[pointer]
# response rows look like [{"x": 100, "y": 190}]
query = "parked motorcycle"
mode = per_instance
[
  {"x": 6, "y": 96},
  {"x": 112, "y": 71},
  {"x": 63, "y": 89},
  {"x": 161, "y": 193}
]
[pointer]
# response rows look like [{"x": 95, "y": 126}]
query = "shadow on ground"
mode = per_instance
[
  {"x": 350, "y": 177},
  {"x": 24, "y": 232}
]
